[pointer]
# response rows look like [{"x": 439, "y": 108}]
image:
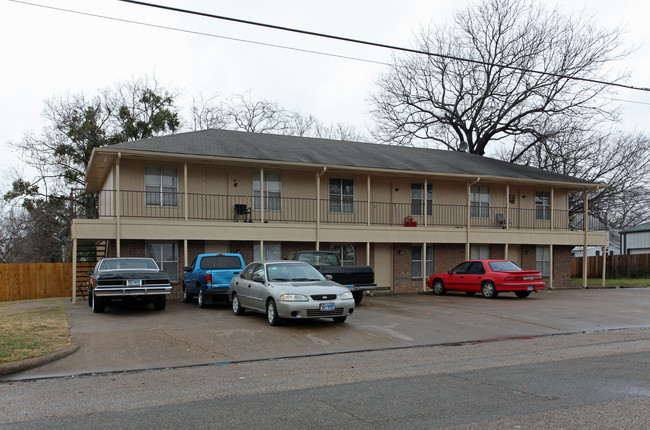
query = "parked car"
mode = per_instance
[
  {"x": 289, "y": 290},
  {"x": 357, "y": 278},
  {"x": 209, "y": 276},
  {"x": 490, "y": 277},
  {"x": 127, "y": 279}
]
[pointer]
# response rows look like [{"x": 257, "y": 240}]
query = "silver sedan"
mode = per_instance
[{"x": 289, "y": 290}]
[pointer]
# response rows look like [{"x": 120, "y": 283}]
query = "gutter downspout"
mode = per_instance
[
  {"x": 318, "y": 175},
  {"x": 469, "y": 213}
]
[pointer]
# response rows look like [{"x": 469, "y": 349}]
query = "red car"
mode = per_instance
[{"x": 490, "y": 277}]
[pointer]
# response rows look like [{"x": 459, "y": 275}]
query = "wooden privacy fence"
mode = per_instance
[
  {"x": 35, "y": 280},
  {"x": 617, "y": 266}
]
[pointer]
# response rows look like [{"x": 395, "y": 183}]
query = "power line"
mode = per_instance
[
  {"x": 313, "y": 34},
  {"x": 380, "y": 45}
]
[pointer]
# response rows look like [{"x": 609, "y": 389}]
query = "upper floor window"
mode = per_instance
[
  {"x": 480, "y": 202},
  {"x": 542, "y": 205},
  {"x": 342, "y": 195},
  {"x": 417, "y": 199},
  {"x": 272, "y": 191},
  {"x": 161, "y": 186}
]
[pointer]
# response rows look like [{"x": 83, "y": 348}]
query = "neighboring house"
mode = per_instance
[
  {"x": 265, "y": 195},
  {"x": 636, "y": 240}
]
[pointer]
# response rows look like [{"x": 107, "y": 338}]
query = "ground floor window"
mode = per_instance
[
  {"x": 345, "y": 252},
  {"x": 416, "y": 261},
  {"x": 543, "y": 260},
  {"x": 479, "y": 252},
  {"x": 165, "y": 254},
  {"x": 272, "y": 251}
]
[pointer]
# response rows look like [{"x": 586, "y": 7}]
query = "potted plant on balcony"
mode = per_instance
[{"x": 410, "y": 222}]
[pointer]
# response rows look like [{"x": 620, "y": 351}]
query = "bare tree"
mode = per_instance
[
  {"x": 621, "y": 161},
  {"x": 448, "y": 102},
  {"x": 243, "y": 113}
]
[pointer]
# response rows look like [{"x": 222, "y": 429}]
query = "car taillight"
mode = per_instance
[{"x": 208, "y": 278}]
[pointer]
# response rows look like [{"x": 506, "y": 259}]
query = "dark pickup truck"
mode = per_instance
[{"x": 357, "y": 278}]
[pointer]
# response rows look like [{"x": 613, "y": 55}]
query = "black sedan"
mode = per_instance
[{"x": 128, "y": 278}]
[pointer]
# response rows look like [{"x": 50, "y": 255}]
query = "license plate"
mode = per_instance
[
  {"x": 327, "y": 306},
  {"x": 531, "y": 288},
  {"x": 134, "y": 282},
  {"x": 528, "y": 278}
]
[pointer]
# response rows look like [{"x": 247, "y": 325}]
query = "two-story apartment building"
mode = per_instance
[{"x": 408, "y": 212}]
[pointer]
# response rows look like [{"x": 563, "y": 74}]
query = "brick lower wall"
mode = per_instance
[{"x": 445, "y": 256}]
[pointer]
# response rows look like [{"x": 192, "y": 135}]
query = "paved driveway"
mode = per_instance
[{"x": 130, "y": 338}]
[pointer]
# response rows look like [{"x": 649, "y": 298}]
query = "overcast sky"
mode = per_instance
[{"x": 48, "y": 52}]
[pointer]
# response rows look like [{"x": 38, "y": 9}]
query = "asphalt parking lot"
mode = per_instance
[{"x": 136, "y": 337}]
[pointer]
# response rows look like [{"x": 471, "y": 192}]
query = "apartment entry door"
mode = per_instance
[
  {"x": 384, "y": 266},
  {"x": 215, "y": 195}
]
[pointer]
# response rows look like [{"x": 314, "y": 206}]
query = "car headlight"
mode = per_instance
[
  {"x": 293, "y": 298},
  {"x": 346, "y": 295}
]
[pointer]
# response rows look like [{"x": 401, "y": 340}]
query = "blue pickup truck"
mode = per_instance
[{"x": 208, "y": 277}]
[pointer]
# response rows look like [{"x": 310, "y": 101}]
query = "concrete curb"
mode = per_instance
[{"x": 29, "y": 363}]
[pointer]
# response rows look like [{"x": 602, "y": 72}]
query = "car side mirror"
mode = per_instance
[
  {"x": 186, "y": 268},
  {"x": 89, "y": 273},
  {"x": 451, "y": 272},
  {"x": 259, "y": 279},
  {"x": 328, "y": 277}
]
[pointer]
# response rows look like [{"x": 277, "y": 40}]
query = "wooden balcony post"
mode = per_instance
[
  {"x": 74, "y": 271},
  {"x": 118, "y": 209}
]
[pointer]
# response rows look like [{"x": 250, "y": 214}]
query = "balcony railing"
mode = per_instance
[{"x": 140, "y": 204}]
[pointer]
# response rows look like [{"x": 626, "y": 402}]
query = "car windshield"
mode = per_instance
[
  {"x": 504, "y": 266},
  {"x": 293, "y": 273},
  {"x": 128, "y": 264}
]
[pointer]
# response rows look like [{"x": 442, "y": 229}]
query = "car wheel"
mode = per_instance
[
  {"x": 98, "y": 304},
  {"x": 339, "y": 319},
  {"x": 488, "y": 290},
  {"x": 272, "y": 314},
  {"x": 522, "y": 294},
  {"x": 358, "y": 296},
  {"x": 90, "y": 298},
  {"x": 159, "y": 303},
  {"x": 202, "y": 303},
  {"x": 236, "y": 306},
  {"x": 439, "y": 288},
  {"x": 187, "y": 297}
]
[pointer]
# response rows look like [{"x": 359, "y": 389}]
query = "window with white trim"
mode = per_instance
[
  {"x": 479, "y": 202},
  {"x": 542, "y": 205},
  {"x": 479, "y": 252},
  {"x": 416, "y": 261},
  {"x": 342, "y": 195},
  {"x": 346, "y": 253},
  {"x": 272, "y": 251},
  {"x": 417, "y": 199},
  {"x": 165, "y": 254},
  {"x": 272, "y": 191},
  {"x": 161, "y": 186},
  {"x": 543, "y": 260}
]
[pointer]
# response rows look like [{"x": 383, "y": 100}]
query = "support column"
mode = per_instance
[
  {"x": 118, "y": 209},
  {"x": 261, "y": 195},
  {"x": 585, "y": 227},
  {"x": 550, "y": 269},
  {"x": 74, "y": 270},
  {"x": 424, "y": 266}
]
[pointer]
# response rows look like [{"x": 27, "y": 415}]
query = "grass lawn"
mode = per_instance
[
  {"x": 620, "y": 282},
  {"x": 30, "y": 328}
]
